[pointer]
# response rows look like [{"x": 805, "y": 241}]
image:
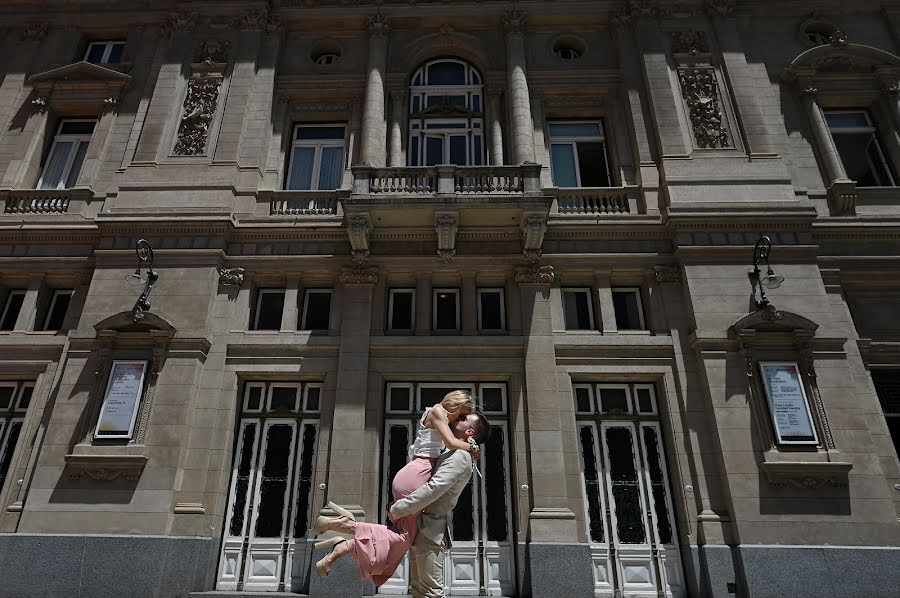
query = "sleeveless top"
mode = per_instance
[{"x": 428, "y": 441}]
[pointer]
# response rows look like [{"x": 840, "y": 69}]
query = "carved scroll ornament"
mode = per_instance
[{"x": 197, "y": 115}]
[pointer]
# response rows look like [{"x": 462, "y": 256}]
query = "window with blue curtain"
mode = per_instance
[{"x": 317, "y": 158}]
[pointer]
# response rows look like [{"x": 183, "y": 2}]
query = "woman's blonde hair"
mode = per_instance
[{"x": 457, "y": 400}]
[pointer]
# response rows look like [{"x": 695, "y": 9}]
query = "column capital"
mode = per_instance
[
  {"x": 535, "y": 275},
  {"x": 891, "y": 88},
  {"x": 359, "y": 276},
  {"x": 514, "y": 22},
  {"x": 379, "y": 26}
]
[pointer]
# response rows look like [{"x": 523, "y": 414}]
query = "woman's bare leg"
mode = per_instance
[{"x": 341, "y": 550}]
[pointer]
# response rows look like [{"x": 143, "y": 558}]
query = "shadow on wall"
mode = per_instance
[{"x": 77, "y": 487}]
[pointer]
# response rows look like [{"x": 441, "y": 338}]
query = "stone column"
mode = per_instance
[
  {"x": 496, "y": 127},
  {"x": 834, "y": 168},
  {"x": 373, "y": 150},
  {"x": 891, "y": 90},
  {"x": 552, "y": 525},
  {"x": 423, "y": 303},
  {"x": 517, "y": 89},
  {"x": 469, "y": 304},
  {"x": 607, "y": 312},
  {"x": 398, "y": 114},
  {"x": 290, "y": 316}
]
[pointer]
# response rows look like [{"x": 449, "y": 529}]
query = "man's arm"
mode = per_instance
[{"x": 450, "y": 469}]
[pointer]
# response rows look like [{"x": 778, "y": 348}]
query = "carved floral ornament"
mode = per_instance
[
  {"x": 446, "y": 225},
  {"x": 197, "y": 115},
  {"x": 700, "y": 89},
  {"x": 633, "y": 10}
]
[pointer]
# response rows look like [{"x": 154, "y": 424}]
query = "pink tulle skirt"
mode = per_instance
[{"x": 379, "y": 550}]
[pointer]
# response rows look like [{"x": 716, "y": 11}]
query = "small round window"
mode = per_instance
[
  {"x": 569, "y": 48},
  {"x": 326, "y": 58},
  {"x": 325, "y": 52},
  {"x": 817, "y": 31}
]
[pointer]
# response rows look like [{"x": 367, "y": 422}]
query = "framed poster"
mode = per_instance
[
  {"x": 788, "y": 405},
  {"x": 120, "y": 403}
]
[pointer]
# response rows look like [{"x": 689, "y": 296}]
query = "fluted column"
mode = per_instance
[
  {"x": 374, "y": 129},
  {"x": 517, "y": 89},
  {"x": 397, "y": 117},
  {"x": 496, "y": 125},
  {"x": 834, "y": 168}
]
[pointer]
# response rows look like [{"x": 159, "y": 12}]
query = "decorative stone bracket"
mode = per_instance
[
  {"x": 359, "y": 230},
  {"x": 445, "y": 225},
  {"x": 534, "y": 226},
  {"x": 842, "y": 197},
  {"x": 104, "y": 464},
  {"x": 809, "y": 475},
  {"x": 231, "y": 277}
]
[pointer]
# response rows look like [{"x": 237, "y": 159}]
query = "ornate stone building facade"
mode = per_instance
[{"x": 356, "y": 206}]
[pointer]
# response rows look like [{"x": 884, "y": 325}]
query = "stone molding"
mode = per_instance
[
  {"x": 35, "y": 31},
  {"x": 807, "y": 475}
]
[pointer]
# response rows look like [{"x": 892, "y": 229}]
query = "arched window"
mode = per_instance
[{"x": 446, "y": 121}]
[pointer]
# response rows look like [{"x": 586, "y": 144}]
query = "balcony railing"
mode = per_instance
[
  {"x": 447, "y": 179},
  {"x": 45, "y": 201},
  {"x": 303, "y": 203},
  {"x": 596, "y": 200}
]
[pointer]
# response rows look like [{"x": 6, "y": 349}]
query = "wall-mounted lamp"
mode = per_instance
[
  {"x": 770, "y": 280},
  {"x": 145, "y": 256}
]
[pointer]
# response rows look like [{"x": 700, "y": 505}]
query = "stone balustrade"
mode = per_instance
[
  {"x": 596, "y": 200},
  {"x": 44, "y": 201},
  {"x": 447, "y": 179},
  {"x": 303, "y": 203}
]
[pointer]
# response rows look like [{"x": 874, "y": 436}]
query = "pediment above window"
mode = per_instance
[
  {"x": 82, "y": 84},
  {"x": 124, "y": 322},
  {"x": 446, "y": 110},
  {"x": 773, "y": 321},
  {"x": 841, "y": 60}
]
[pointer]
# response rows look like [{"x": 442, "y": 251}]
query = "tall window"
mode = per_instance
[
  {"x": 109, "y": 52},
  {"x": 56, "y": 312},
  {"x": 446, "y": 124},
  {"x": 857, "y": 143},
  {"x": 317, "y": 158},
  {"x": 66, "y": 154},
  {"x": 11, "y": 309},
  {"x": 577, "y": 309},
  {"x": 887, "y": 386},
  {"x": 578, "y": 154},
  {"x": 15, "y": 397}
]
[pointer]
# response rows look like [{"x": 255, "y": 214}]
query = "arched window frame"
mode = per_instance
[{"x": 434, "y": 116}]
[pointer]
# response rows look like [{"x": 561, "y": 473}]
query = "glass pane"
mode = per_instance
[
  {"x": 577, "y": 310},
  {"x": 853, "y": 149},
  {"x": 58, "y": 314},
  {"x": 644, "y": 400},
  {"x": 492, "y": 398},
  {"x": 416, "y": 104},
  {"x": 628, "y": 315},
  {"x": 431, "y": 396},
  {"x": 657, "y": 485},
  {"x": 317, "y": 133},
  {"x": 879, "y": 166},
  {"x": 301, "y": 168},
  {"x": 562, "y": 164},
  {"x": 476, "y": 102},
  {"x": 458, "y": 150},
  {"x": 495, "y": 486},
  {"x": 491, "y": 318},
  {"x": 434, "y": 151},
  {"x": 837, "y": 120},
  {"x": 331, "y": 168},
  {"x": 463, "y": 516},
  {"x": 625, "y": 486},
  {"x": 11, "y": 440},
  {"x": 283, "y": 398},
  {"x": 11, "y": 311},
  {"x": 271, "y": 306},
  {"x": 6, "y": 396},
  {"x": 274, "y": 481},
  {"x": 242, "y": 480},
  {"x": 477, "y": 151},
  {"x": 115, "y": 53},
  {"x": 583, "y": 403},
  {"x": 592, "y": 483},
  {"x": 398, "y": 441},
  {"x": 592, "y": 165},
  {"x": 54, "y": 169},
  {"x": 400, "y": 399},
  {"x": 254, "y": 398},
  {"x": 313, "y": 398},
  {"x": 887, "y": 387},
  {"x": 24, "y": 399},
  {"x": 77, "y": 127},
  {"x": 95, "y": 53},
  {"x": 414, "y": 149},
  {"x": 75, "y": 170},
  {"x": 446, "y": 73},
  {"x": 318, "y": 311},
  {"x": 305, "y": 480},
  {"x": 446, "y": 311},
  {"x": 574, "y": 130},
  {"x": 401, "y": 311},
  {"x": 613, "y": 400}
]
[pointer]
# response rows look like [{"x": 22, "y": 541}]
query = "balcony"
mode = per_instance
[
  {"x": 590, "y": 201},
  {"x": 286, "y": 204},
  {"x": 42, "y": 202}
]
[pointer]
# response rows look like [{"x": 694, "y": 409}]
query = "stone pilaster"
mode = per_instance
[
  {"x": 522, "y": 127},
  {"x": 28, "y": 311},
  {"x": 374, "y": 150},
  {"x": 398, "y": 114},
  {"x": 607, "y": 311},
  {"x": 834, "y": 168},
  {"x": 496, "y": 125},
  {"x": 423, "y": 303}
]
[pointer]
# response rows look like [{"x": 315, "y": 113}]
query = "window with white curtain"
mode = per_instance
[
  {"x": 446, "y": 124},
  {"x": 578, "y": 154},
  {"x": 317, "y": 157},
  {"x": 67, "y": 153}
]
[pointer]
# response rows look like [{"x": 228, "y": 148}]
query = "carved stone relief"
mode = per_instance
[
  {"x": 231, "y": 277},
  {"x": 212, "y": 51},
  {"x": 666, "y": 274},
  {"x": 197, "y": 115},
  {"x": 359, "y": 229},
  {"x": 446, "y": 224},
  {"x": 689, "y": 42},
  {"x": 534, "y": 274},
  {"x": 701, "y": 94},
  {"x": 534, "y": 226}
]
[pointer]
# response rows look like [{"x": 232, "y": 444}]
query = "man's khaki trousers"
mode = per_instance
[{"x": 426, "y": 569}]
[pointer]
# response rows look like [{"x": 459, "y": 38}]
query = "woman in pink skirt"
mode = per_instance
[{"x": 378, "y": 549}]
